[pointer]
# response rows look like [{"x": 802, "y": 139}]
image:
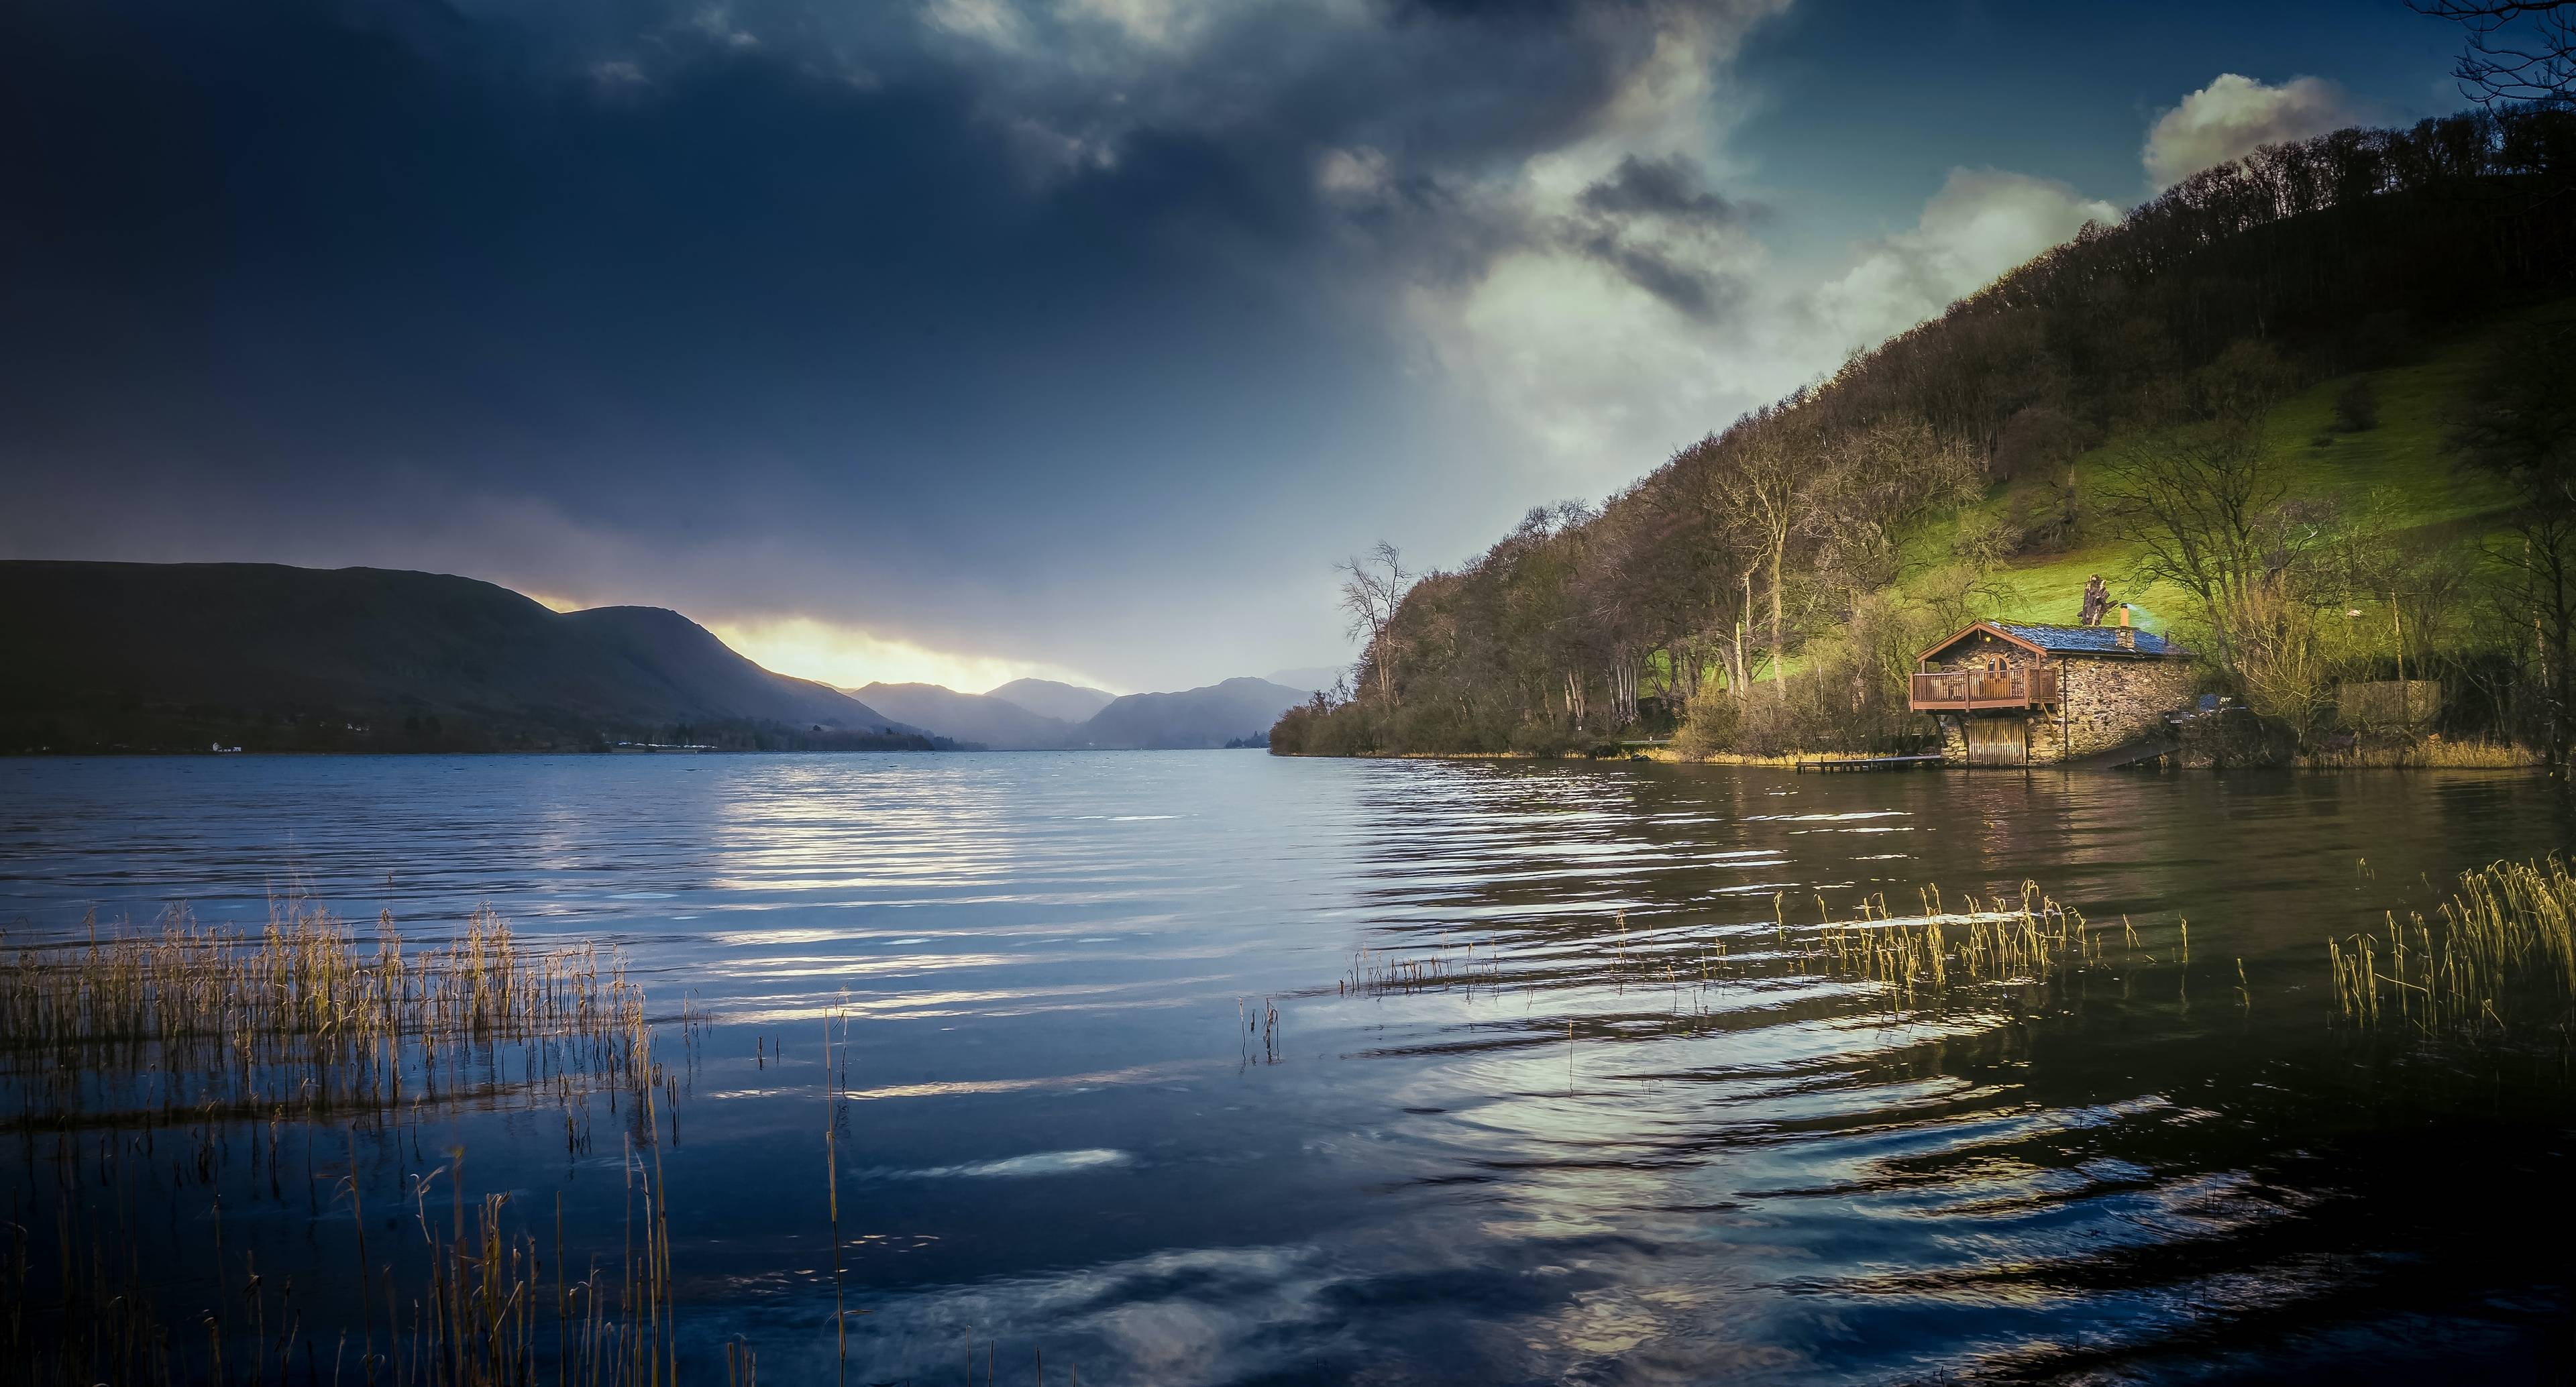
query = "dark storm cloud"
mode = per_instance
[
  {"x": 1631, "y": 219},
  {"x": 1668, "y": 187},
  {"x": 1687, "y": 288},
  {"x": 427, "y": 254},
  {"x": 922, "y": 311}
]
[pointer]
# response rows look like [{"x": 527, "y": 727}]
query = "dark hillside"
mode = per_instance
[
  {"x": 683, "y": 665},
  {"x": 152, "y": 656}
]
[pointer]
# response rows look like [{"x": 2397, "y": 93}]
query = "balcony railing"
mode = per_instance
[{"x": 1965, "y": 690}]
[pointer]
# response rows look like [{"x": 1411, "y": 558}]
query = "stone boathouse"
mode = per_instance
[{"x": 2009, "y": 694}]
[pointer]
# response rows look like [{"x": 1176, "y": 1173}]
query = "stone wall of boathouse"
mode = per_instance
[{"x": 2105, "y": 703}]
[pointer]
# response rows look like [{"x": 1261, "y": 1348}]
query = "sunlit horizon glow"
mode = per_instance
[{"x": 848, "y": 657}]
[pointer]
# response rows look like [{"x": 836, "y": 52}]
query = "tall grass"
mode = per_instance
[
  {"x": 300, "y": 1019},
  {"x": 481, "y": 1313},
  {"x": 1916, "y": 959},
  {"x": 2430, "y": 753},
  {"x": 2026, "y": 938},
  {"x": 2498, "y": 957}
]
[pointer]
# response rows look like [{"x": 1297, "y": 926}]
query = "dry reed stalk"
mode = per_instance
[
  {"x": 2428, "y": 753},
  {"x": 2031, "y": 938},
  {"x": 300, "y": 1019},
  {"x": 2500, "y": 955},
  {"x": 1916, "y": 960}
]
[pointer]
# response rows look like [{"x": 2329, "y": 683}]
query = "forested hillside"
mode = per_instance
[{"x": 2310, "y": 410}]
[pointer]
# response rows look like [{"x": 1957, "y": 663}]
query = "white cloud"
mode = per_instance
[
  {"x": 1562, "y": 350},
  {"x": 994, "y": 22},
  {"x": 1982, "y": 223},
  {"x": 1606, "y": 376},
  {"x": 1352, "y": 175},
  {"x": 1163, "y": 24},
  {"x": 2235, "y": 115}
]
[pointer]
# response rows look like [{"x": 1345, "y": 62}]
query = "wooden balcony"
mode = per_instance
[{"x": 1967, "y": 690}]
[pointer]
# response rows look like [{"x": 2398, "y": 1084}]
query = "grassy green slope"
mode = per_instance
[{"x": 2398, "y": 468}]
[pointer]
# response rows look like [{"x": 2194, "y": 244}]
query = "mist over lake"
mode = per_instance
[{"x": 1225, "y": 1068}]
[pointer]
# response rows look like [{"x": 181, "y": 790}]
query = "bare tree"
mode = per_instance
[
  {"x": 2519, "y": 50},
  {"x": 1768, "y": 481},
  {"x": 2518, "y": 424},
  {"x": 1866, "y": 481},
  {"x": 2538, "y": 558},
  {"x": 2210, "y": 513},
  {"x": 1373, "y": 587},
  {"x": 2195, "y": 503}
]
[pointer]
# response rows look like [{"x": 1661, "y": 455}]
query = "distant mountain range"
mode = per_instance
[
  {"x": 1066, "y": 703},
  {"x": 1234, "y": 711},
  {"x": 981, "y": 718},
  {"x": 117, "y": 656},
  {"x": 264, "y": 657}
]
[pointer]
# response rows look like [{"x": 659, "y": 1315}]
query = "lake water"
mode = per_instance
[{"x": 1069, "y": 1126}]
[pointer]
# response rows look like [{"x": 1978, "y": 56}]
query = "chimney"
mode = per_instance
[{"x": 2124, "y": 613}]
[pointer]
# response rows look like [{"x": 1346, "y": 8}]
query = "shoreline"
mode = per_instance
[{"x": 2491, "y": 759}]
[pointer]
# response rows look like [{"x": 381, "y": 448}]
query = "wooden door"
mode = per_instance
[{"x": 1998, "y": 742}]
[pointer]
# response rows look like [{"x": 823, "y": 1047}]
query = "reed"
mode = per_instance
[
  {"x": 84, "y": 1324},
  {"x": 2498, "y": 957},
  {"x": 477, "y": 1315},
  {"x": 300, "y": 1019},
  {"x": 2427, "y": 753},
  {"x": 1916, "y": 958},
  {"x": 462, "y": 1301},
  {"x": 2025, "y": 938},
  {"x": 147, "y": 1054}
]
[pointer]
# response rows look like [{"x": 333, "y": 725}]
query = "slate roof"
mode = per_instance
[
  {"x": 2070, "y": 640},
  {"x": 2091, "y": 640}
]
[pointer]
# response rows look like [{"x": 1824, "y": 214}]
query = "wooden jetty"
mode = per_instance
[{"x": 1871, "y": 763}]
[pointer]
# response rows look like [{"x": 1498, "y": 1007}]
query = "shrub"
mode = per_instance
[
  {"x": 2356, "y": 407},
  {"x": 1709, "y": 723},
  {"x": 1541, "y": 737}
]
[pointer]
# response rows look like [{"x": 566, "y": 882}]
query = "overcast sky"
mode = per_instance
[{"x": 964, "y": 339}]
